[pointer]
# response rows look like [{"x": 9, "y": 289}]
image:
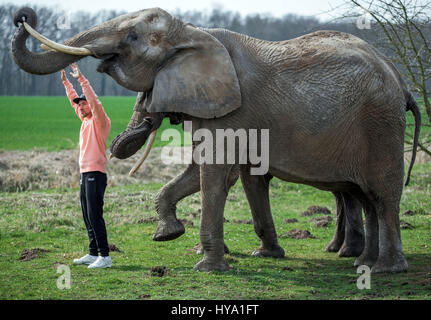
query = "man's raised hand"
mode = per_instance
[{"x": 75, "y": 70}]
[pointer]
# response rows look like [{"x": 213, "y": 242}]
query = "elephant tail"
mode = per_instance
[{"x": 414, "y": 108}]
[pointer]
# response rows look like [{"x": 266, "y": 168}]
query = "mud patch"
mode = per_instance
[
  {"x": 236, "y": 221},
  {"x": 293, "y": 220},
  {"x": 406, "y": 225},
  {"x": 410, "y": 213},
  {"x": 159, "y": 271},
  {"x": 30, "y": 254},
  {"x": 187, "y": 222},
  {"x": 114, "y": 248},
  {"x": 299, "y": 234},
  {"x": 313, "y": 210},
  {"x": 322, "y": 221},
  {"x": 148, "y": 220}
]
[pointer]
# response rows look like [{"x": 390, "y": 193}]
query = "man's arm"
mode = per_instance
[
  {"x": 96, "y": 106},
  {"x": 99, "y": 113},
  {"x": 70, "y": 92}
]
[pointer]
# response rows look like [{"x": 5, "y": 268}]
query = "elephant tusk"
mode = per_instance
[
  {"x": 146, "y": 153},
  {"x": 56, "y": 46}
]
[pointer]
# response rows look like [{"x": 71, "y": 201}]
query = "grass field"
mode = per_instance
[
  {"x": 50, "y": 123},
  {"x": 51, "y": 220}
]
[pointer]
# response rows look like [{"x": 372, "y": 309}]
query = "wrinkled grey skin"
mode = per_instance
[
  {"x": 348, "y": 238},
  {"x": 334, "y": 106}
]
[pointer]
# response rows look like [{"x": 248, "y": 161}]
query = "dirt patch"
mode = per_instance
[
  {"x": 159, "y": 271},
  {"x": 409, "y": 213},
  {"x": 313, "y": 210},
  {"x": 322, "y": 221},
  {"x": 236, "y": 221},
  {"x": 293, "y": 220},
  {"x": 114, "y": 248},
  {"x": 299, "y": 234},
  {"x": 148, "y": 220},
  {"x": 287, "y": 269},
  {"x": 38, "y": 169},
  {"x": 30, "y": 254},
  {"x": 187, "y": 222},
  {"x": 406, "y": 225}
]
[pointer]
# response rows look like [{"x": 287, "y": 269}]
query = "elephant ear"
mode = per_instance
[{"x": 199, "y": 79}]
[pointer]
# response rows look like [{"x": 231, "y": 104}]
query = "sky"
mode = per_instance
[{"x": 276, "y": 8}]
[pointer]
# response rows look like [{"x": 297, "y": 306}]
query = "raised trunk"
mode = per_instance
[{"x": 50, "y": 61}]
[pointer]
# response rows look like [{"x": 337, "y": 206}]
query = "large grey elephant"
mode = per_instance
[
  {"x": 334, "y": 106},
  {"x": 348, "y": 238}
]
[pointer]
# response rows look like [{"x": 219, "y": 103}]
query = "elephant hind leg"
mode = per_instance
[
  {"x": 354, "y": 241},
  {"x": 340, "y": 225},
  {"x": 383, "y": 248}
]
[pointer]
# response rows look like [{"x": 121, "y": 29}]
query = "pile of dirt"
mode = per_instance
[
  {"x": 238, "y": 221},
  {"x": 313, "y": 210},
  {"x": 30, "y": 254},
  {"x": 322, "y": 221},
  {"x": 406, "y": 225},
  {"x": 38, "y": 169},
  {"x": 159, "y": 271},
  {"x": 114, "y": 248},
  {"x": 410, "y": 213},
  {"x": 299, "y": 234},
  {"x": 293, "y": 220}
]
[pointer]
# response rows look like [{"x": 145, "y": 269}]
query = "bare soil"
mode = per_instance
[
  {"x": 313, "y": 210},
  {"x": 30, "y": 254},
  {"x": 299, "y": 234}
]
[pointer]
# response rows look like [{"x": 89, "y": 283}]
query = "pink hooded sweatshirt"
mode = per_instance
[{"x": 94, "y": 130}]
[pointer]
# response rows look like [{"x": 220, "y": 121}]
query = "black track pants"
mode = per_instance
[{"x": 93, "y": 185}]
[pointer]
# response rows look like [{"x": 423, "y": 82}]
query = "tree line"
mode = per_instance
[{"x": 14, "y": 81}]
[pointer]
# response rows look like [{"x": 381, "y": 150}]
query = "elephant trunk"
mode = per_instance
[{"x": 50, "y": 61}]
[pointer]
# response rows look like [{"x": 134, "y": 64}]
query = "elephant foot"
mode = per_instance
[
  {"x": 350, "y": 251},
  {"x": 200, "y": 249},
  {"x": 167, "y": 231},
  {"x": 274, "y": 252},
  {"x": 366, "y": 259},
  {"x": 390, "y": 264},
  {"x": 333, "y": 246},
  {"x": 206, "y": 266}
]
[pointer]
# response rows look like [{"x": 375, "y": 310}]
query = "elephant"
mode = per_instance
[
  {"x": 333, "y": 108},
  {"x": 348, "y": 238}
]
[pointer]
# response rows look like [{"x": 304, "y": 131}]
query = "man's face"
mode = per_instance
[{"x": 84, "y": 109}]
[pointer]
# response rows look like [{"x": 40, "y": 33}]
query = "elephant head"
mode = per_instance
[{"x": 176, "y": 67}]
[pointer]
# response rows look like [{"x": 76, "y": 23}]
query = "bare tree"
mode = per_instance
[{"x": 404, "y": 28}]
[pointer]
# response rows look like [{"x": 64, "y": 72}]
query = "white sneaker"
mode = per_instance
[
  {"x": 101, "y": 262},
  {"x": 87, "y": 259}
]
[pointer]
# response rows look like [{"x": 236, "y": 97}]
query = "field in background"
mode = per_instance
[{"x": 50, "y": 123}]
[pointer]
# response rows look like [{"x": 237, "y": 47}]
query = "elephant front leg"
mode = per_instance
[
  {"x": 257, "y": 191},
  {"x": 187, "y": 183},
  {"x": 214, "y": 190},
  {"x": 354, "y": 240}
]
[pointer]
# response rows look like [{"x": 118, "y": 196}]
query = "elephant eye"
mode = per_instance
[{"x": 132, "y": 36}]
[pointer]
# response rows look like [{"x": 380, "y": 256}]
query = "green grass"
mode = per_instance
[
  {"x": 50, "y": 123},
  {"x": 52, "y": 220}
]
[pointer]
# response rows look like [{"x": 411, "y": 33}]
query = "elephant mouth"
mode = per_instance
[
  {"x": 107, "y": 62},
  {"x": 130, "y": 141}
]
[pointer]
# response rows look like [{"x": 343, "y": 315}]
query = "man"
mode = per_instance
[{"x": 94, "y": 133}]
